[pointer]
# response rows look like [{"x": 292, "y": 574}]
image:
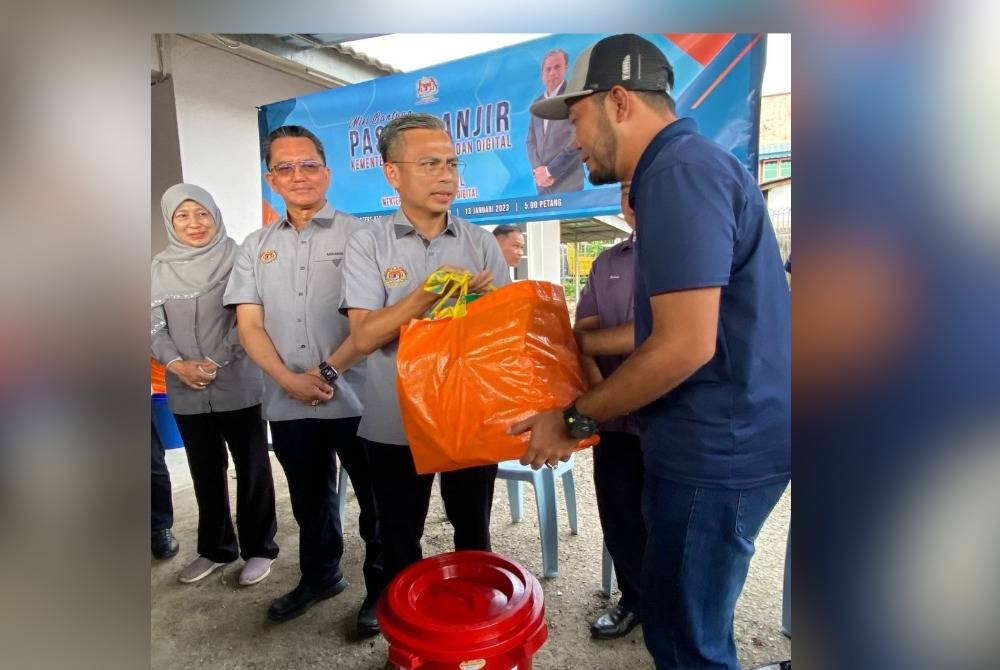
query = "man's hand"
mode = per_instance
[
  {"x": 196, "y": 374},
  {"x": 307, "y": 387},
  {"x": 480, "y": 283},
  {"x": 208, "y": 367},
  {"x": 550, "y": 441},
  {"x": 542, "y": 176}
]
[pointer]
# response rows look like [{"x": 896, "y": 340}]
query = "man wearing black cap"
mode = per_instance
[{"x": 711, "y": 368}]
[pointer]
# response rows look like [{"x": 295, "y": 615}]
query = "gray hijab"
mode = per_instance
[{"x": 182, "y": 272}]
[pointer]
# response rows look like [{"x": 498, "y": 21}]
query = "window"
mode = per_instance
[{"x": 775, "y": 169}]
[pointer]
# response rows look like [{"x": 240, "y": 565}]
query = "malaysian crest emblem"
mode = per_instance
[
  {"x": 395, "y": 276},
  {"x": 268, "y": 256},
  {"x": 427, "y": 90}
]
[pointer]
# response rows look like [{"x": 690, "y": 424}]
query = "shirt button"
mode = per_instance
[
  {"x": 302, "y": 346},
  {"x": 301, "y": 294},
  {"x": 302, "y": 242},
  {"x": 299, "y": 320},
  {"x": 302, "y": 267}
]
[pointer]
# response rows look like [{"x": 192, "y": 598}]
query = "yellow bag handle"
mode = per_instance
[{"x": 449, "y": 285}]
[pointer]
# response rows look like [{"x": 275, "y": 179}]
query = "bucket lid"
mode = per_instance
[{"x": 461, "y": 605}]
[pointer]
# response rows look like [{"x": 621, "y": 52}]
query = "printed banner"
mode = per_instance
[{"x": 517, "y": 167}]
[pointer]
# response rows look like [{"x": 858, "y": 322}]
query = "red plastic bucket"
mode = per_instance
[{"x": 466, "y": 610}]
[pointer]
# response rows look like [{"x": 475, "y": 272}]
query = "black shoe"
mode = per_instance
[
  {"x": 614, "y": 623},
  {"x": 301, "y": 598},
  {"x": 165, "y": 545},
  {"x": 367, "y": 620}
]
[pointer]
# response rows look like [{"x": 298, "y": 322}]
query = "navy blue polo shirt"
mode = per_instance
[{"x": 702, "y": 221}]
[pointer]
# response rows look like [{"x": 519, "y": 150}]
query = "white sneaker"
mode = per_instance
[
  {"x": 255, "y": 570},
  {"x": 197, "y": 569}
]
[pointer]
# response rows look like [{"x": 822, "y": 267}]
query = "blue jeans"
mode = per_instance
[{"x": 698, "y": 551}]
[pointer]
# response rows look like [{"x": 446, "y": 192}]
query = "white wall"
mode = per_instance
[
  {"x": 779, "y": 198},
  {"x": 779, "y": 205},
  {"x": 166, "y": 167},
  {"x": 543, "y": 251},
  {"x": 217, "y": 95}
]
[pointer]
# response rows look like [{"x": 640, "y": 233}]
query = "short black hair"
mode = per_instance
[
  {"x": 391, "y": 138},
  {"x": 505, "y": 229},
  {"x": 291, "y": 131},
  {"x": 657, "y": 100}
]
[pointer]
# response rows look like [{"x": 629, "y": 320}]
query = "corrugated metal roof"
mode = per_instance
[
  {"x": 588, "y": 230},
  {"x": 334, "y": 42},
  {"x": 364, "y": 58}
]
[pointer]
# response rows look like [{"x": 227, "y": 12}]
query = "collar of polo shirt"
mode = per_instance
[{"x": 403, "y": 227}]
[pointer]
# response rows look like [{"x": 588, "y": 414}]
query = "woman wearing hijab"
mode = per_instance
[{"x": 213, "y": 389}]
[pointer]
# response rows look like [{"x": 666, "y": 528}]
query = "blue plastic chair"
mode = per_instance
[{"x": 544, "y": 481}]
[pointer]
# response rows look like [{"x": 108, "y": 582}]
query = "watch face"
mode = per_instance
[
  {"x": 329, "y": 374},
  {"x": 582, "y": 429},
  {"x": 579, "y": 425}
]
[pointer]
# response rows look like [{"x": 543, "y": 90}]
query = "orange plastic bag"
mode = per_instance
[
  {"x": 497, "y": 359},
  {"x": 157, "y": 376}
]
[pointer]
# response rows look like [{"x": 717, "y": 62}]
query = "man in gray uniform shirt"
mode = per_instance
[
  {"x": 287, "y": 284},
  {"x": 385, "y": 269}
]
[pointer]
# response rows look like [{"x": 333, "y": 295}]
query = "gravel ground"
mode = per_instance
[{"x": 217, "y": 624}]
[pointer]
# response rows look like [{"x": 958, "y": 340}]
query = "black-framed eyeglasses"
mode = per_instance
[
  {"x": 287, "y": 169},
  {"x": 432, "y": 167}
]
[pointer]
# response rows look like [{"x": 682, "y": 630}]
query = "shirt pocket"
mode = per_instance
[
  {"x": 326, "y": 270},
  {"x": 328, "y": 254}
]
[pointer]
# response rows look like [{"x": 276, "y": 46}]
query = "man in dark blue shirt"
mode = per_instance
[{"x": 711, "y": 368}]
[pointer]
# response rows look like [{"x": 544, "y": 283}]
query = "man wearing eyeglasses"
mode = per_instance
[
  {"x": 385, "y": 270},
  {"x": 286, "y": 285}
]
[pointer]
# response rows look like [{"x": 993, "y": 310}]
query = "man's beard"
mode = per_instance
[{"x": 603, "y": 156}]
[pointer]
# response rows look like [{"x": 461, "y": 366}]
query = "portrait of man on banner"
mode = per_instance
[{"x": 555, "y": 162}]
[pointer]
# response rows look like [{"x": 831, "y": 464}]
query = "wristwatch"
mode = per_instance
[
  {"x": 328, "y": 372},
  {"x": 579, "y": 425}
]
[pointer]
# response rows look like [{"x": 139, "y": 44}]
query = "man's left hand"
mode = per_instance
[
  {"x": 550, "y": 442},
  {"x": 481, "y": 282}
]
